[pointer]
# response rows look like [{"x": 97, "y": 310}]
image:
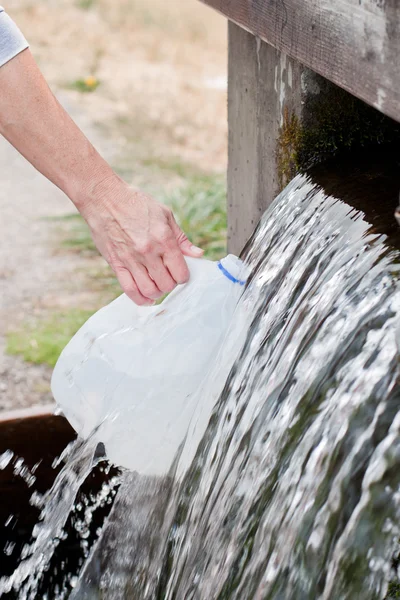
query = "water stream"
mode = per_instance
[{"x": 287, "y": 487}]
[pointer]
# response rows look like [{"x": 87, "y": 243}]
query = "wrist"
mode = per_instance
[{"x": 97, "y": 191}]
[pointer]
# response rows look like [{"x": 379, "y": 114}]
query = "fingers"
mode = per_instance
[
  {"x": 130, "y": 288},
  {"x": 147, "y": 254},
  {"x": 173, "y": 256},
  {"x": 146, "y": 284},
  {"x": 184, "y": 243},
  {"x": 161, "y": 275},
  {"x": 143, "y": 288},
  {"x": 175, "y": 263}
]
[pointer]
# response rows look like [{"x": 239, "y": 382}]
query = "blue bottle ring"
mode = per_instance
[{"x": 228, "y": 275}]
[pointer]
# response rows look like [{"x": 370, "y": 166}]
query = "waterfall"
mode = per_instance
[
  {"x": 287, "y": 487},
  {"x": 288, "y": 484}
]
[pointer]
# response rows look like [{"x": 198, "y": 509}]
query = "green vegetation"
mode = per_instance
[
  {"x": 200, "y": 209},
  {"x": 88, "y": 84},
  {"x": 43, "y": 341},
  {"x": 76, "y": 235},
  {"x": 85, "y": 4},
  {"x": 393, "y": 591},
  {"x": 288, "y": 146}
]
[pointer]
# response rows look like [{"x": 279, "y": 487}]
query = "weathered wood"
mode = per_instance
[
  {"x": 284, "y": 117},
  {"x": 353, "y": 43},
  {"x": 263, "y": 85}
]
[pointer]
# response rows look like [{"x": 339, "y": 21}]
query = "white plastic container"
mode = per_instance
[{"x": 129, "y": 376}]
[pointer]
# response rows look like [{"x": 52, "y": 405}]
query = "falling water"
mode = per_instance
[
  {"x": 56, "y": 506},
  {"x": 287, "y": 487}
]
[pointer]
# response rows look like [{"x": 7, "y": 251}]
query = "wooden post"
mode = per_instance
[
  {"x": 282, "y": 115},
  {"x": 282, "y": 118},
  {"x": 264, "y": 85}
]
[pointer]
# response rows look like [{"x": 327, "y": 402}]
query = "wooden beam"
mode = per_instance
[
  {"x": 264, "y": 85},
  {"x": 353, "y": 43}
]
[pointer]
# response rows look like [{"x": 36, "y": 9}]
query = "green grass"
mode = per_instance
[
  {"x": 200, "y": 209},
  {"x": 75, "y": 235},
  {"x": 85, "y": 85},
  {"x": 85, "y": 4},
  {"x": 43, "y": 341}
]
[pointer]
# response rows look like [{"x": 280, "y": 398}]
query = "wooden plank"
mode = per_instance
[
  {"x": 263, "y": 85},
  {"x": 353, "y": 43}
]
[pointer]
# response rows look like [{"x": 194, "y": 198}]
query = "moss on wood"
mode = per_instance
[
  {"x": 289, "y": 144},
  {"x": 393, "y": 591},
  {"x": 331, "y": 122}
]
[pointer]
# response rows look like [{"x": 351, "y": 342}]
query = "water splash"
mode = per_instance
[
  {"x": 293, "y": 491},
  {"x": 288, "y": 483},
  {"x": 56, "y": 505}
]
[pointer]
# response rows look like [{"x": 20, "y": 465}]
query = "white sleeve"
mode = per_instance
[{"x": 12, "y": 42}]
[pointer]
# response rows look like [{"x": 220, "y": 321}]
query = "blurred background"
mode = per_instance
[{"x": 146, "y": 81}]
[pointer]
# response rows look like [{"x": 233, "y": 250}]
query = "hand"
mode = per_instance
[
  {"x": 138, "y": 237},
  {"x": 140, "y": 240}
]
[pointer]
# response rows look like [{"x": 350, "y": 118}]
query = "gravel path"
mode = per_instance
[{"x": 33, "y": 276}]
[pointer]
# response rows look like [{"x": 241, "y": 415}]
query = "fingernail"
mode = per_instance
[{"x": 196, "y": 250}]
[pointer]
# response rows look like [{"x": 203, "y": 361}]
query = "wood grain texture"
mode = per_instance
[
  {"x": 353, "y": 43},
  {"x": 263, "y": 83}
]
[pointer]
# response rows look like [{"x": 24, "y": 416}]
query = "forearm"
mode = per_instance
[
  {"x": 35, "y": 123},
  {"x": 138, "y": 237}
]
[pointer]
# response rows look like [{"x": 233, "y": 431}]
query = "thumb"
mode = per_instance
[{"x": 186, "y": 246}]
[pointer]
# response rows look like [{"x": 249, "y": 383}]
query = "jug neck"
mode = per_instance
[{"x": 233, "y": 268}]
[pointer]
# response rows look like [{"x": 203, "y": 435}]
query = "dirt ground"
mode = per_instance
[
  {"x": 160, "y": 107},
  {"x": 34, "y": 276},
  {"x": 161, "y": 67}
]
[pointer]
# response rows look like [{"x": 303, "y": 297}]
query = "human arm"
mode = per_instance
[{"x": 137, "y": 236}]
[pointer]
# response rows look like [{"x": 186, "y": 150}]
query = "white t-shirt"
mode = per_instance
[{"x": 12, "y": 42}]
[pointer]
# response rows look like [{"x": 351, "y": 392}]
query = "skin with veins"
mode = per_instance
[{"x": 137, "y": 236}]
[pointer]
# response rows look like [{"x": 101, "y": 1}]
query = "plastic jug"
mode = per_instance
[{"x": 129, "y": 376}]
